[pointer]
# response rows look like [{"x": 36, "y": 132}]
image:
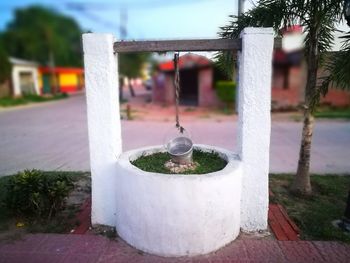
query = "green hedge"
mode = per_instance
[
  {"x": 226, "y": 91},
  {"x": 33, "y": 193}
]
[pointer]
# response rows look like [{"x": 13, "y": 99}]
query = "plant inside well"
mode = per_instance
[{"x": 207, "y": 162}]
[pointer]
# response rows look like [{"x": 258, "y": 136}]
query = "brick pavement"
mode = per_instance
[
  {"x": 52, "y": 248},
  {"x": 281, "y": 225}
]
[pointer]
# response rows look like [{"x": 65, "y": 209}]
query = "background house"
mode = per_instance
[
  {"x": 196, "y": 81},
  {"x": 288, "y": 85},
  {"x": 24, "y": 77},
  {"x": 198, "y": 87},
  {"x": 28, "y": 77},
  {"x": 289, "y": 74},
  {"x": 61, "y": 79}
]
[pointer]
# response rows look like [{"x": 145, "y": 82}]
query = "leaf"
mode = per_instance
[{"x": 19, "y": 224}]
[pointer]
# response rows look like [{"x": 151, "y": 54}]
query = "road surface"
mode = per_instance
[{"x": 53, "y": 136}]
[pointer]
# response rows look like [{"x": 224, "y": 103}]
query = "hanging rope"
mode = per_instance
[{"x": 177, "y": 91}]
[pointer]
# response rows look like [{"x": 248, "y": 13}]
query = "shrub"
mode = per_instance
[
  {"x": 32, "y": 193},
  {"x": 226, "y": 91}
]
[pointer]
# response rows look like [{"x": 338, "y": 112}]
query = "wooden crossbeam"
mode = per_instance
[
  {"x": 177, "y": 45},
  {"x": 181, "y": 45}
]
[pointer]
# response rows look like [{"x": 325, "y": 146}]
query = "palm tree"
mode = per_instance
[{"x": 318, "y": 19}]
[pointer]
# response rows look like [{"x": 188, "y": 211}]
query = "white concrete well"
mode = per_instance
[{"x": 174, "y": 214}]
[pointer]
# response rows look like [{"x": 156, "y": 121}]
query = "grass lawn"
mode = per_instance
[
  {"x": 13, "y": 225},
  {"x": 208, "y": 162},
  {"x": 333, "y": 113},
  {"x": 26, "y": 99},
  {"x": 315, "y": 214}
]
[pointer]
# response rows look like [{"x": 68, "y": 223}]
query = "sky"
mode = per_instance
[{"x": 146, "y": 19}]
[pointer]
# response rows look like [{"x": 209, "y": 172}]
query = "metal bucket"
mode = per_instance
[{"x": 180, "y": 150}]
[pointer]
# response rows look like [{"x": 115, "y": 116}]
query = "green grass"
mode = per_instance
[
  {"x": 208, "y": 162},
  {"x": 29, "y": 98},
  {"x": 226, "y": 110},
  {"x": 315, "y": 214},
  {"x": 333, "y": 113}
]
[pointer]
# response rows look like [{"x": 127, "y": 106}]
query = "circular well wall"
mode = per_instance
[{"x": 174, "y": 214}]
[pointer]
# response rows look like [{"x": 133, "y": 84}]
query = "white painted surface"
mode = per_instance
[
  {"x": 293, "y": 41},
  {"x": 20, "y": 66},
  {"x": 101, "y": 82},
  {"x": 175, "y": 215},
  {"x": 254, "y": 124}
]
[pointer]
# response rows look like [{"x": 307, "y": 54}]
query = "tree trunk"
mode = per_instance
[
  {"x": 121, "y": 95},
  {"x": 301, "y": 184},
  {"x": 347, "y": 209},
  {"x": 131, "y": 89}
]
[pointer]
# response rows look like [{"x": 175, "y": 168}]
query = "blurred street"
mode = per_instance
[{"x": 53, "y": 136}]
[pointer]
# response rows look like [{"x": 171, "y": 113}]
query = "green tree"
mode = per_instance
[
  {"x": 319, "y": 19},
  {"x": 131, "y": 65},
  {"x": 5, "y": 66},
  {"x": 36, "y": 32}
]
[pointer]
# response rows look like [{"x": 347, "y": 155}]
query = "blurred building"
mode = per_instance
[
  {"x": 61, "y": 79},
  {"x": 28, "y": 77},
  {"x": 198, "y": 89},
  {"x": 24, "y": 77},
  {"x": 196, "y": 82},
  {"x": 288, "y": 87},
  {"x": 289, "y": 74}
]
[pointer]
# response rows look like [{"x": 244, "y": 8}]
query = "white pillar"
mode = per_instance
[
  {"x": 36, "y": 81},
  {"x": 16, "y": 82},
  {"x": 254, "y": 124},
  {"x": 102, "y": 94}
]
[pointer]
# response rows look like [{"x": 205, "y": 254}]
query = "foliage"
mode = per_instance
[
  {"x": 333, "y": 113},
  {"x": 208, "y": 162},
  {"x": 269, "y": 14},
  {"x": 338, "y": 68},
  {"x": 62, "y": 222},
  {"x": 315, "y": 214},
  {"x": 131, "y": 64},
  {"x": 319, "y": 20},
  {"x": 32, "y": 193},
  {"x": 29, "y": 98},
  {"x": 226, "y": 91},
  {"x": 220, "y": 73},
  {"x": 37, "y": 31},
  {"x": 5, "y": 66},
  {"x": 4, "y": 181}
]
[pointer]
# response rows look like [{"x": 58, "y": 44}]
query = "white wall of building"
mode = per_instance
[{"x": 16, "y": 79}]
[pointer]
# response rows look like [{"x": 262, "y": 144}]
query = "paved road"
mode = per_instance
[{"x": 53, "y": 136}]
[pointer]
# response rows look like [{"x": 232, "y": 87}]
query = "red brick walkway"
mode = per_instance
[
  {"x": 84, "y": 218},
  {"x": 283, "y": 228},
  {"x": 51, "y": 248}
]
